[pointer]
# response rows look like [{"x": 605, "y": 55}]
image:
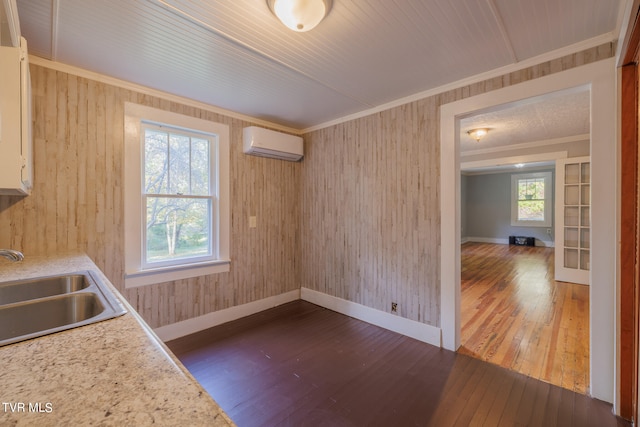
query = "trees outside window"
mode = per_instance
[
  {"x": 176, "y": 187},
  {"x": 177, "y": 191},
  {"x": 531, "y": 199}
]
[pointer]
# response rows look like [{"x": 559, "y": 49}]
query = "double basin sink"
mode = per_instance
[{"x": 32, "y": 308}]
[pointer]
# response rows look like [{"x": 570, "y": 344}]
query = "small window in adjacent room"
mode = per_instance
[
  {"x": 176, "y": 196},
  {"x": 531, "y": 204}
]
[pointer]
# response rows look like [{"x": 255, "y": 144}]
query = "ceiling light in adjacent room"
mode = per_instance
[
  {"x": 477, "y": 134},
  {"x": 300, "y": 15}
]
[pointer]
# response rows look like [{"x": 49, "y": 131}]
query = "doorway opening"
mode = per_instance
[
  {"x": 517, "y": 310},
  {"x": 600, "y": 78}
]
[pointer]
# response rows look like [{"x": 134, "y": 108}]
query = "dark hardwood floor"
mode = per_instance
[{"x": 301, "y": 365}]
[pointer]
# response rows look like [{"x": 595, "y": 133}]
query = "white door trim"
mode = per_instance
[{"x": 601, "y": 78}]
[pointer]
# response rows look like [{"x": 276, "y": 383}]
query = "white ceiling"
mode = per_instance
[
  {"x": 547, "y": 120},
  {"x": 555, "y": 116},
  {"x": 236, "y": 55}
]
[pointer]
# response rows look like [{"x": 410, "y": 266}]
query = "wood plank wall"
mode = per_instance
[
  {"x": 370, "y": 214},
  {"x": 357, "y": 219},
  {"x": 77, "y": 201}
]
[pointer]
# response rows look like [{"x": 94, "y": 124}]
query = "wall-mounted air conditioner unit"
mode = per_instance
[{"x": 268, "y": 143}]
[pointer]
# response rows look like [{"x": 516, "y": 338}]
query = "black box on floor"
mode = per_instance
[{"x": 522, "y": 241}]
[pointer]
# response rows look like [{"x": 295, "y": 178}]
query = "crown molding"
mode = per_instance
[
  {"x": 525, "y": 145},
  {"x": 555, "y": 54},
  {"x": 558, "y": 53},
  {"x": 123, "y": 84}
]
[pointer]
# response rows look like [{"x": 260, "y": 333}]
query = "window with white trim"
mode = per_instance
[
  {"x": 531, "y": 202},
  {"x": 176, "y": 196}
]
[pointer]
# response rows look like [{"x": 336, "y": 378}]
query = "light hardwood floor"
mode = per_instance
[{"x": 515, "y": 315}]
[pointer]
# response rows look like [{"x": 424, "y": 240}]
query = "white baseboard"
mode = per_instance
[
  {"x": 544, "y": 243},
  {"x": 196, "y": 324},
  {"x": 488, "y": 240},
  {"x": 411, "y": 328}
]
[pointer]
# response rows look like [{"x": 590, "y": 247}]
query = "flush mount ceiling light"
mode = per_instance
[
  {"x": 300, "y": 15},
  {"x": 477, "y": 134}
]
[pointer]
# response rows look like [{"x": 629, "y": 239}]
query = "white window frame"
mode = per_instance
[
  {"x": 136, "y": 273},
  {"x": 548, "y": 199}
]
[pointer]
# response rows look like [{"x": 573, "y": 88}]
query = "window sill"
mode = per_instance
[
  {"x": 168, "y": 274},
  {"x": 531, "y": 224}
]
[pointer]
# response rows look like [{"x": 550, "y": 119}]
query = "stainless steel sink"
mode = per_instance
[
  {"x": 32, "y": 308},
  {"x": 23, "y": 290}
]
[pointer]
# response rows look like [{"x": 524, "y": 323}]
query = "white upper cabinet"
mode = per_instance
[{"x": 15, "y": 106}]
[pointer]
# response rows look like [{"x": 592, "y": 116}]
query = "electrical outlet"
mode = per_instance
[
  {"x": 549, "y": 231},
  {"x": 394, "y": 307},
  {"x": 252, "y": 222}
]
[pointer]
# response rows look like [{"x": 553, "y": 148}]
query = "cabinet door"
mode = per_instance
[{"x": 573, "y": 220}]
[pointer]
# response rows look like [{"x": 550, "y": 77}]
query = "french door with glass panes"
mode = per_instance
[{"x": 573, "y": 220}]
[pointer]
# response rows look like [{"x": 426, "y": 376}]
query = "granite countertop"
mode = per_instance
[{"x": 114, "y": 372}]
